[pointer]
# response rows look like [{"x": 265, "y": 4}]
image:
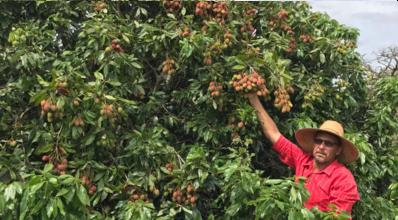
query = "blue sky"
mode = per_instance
[{"x": 377, "y": 21}]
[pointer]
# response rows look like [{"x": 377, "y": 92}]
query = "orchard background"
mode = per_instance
[{"x": 136, "y": 110}]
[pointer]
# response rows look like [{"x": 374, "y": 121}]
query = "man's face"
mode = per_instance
[{"x": 326, "y": 148}]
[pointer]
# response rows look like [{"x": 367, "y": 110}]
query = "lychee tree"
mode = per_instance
[{"x": 137, "y": 110}]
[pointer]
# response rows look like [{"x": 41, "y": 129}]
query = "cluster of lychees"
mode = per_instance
[
  {"x": 287, "y": 28},
  {"x": 78, "y": 121},
  {"x": 116, "y": 46},
  {"x": 184, "y": 196},
  {"x": 90, "y": 186},
  {"x": 249, "y": 83},
  {"x": 306, "y": 38},
  {"x": 282, "y": 100},
  {"x": 279, "y": 19},
  {"x": 61, "y": 88},
  {"x": 272, "y": 24},
  {"x": 185, "y": 32},
  {"x": 60, "y": 165},
  {"x": 314, "y": 93},
  {"x": 168, "y": 66},
  {"x": 107, "y": 110},
  {"x": 155, "y": 191},
  {"x": 139, "y": 196},
  {"x": 253, "y": 51},
  {"x": 250, "y": 12},
  {"x": 203, "y": 8},
  {"x": 283, "y": 14},
  {"x": 76, "y": 102},
  {"x": 100, "y": 6},
  {"x": 172, "y": 5},
  {"x": 215, "y": 89},
  {"x": 47, "y": 105},
  {"x": 50, "y": 110},
  {"x": 351, "y": 45},
  {"x": 169, "y": 167},
  {"x": 247, "y": 27},
  {"x": 207, "y": 58},
  {"x": 218, "y": 9},
  {"x": 248, "y": 24},
  {"x": 292, "y": 46},
  {"x": 227, "y": 39},
  {"x": 235, "y": 125}
]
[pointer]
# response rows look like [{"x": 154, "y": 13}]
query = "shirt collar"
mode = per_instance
[{"x": 328, "y": 170}]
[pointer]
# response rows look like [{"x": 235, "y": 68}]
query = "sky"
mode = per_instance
[{"x": 377, "y": 21}]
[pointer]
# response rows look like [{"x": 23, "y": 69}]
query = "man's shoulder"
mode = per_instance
[
  {"x": 283, "y": 141},
  {"x": 344, "y": 182},
  {"x": 341, "y": 172}
]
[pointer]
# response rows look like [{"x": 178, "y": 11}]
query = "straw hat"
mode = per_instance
[{"x": 305, "y": 138}]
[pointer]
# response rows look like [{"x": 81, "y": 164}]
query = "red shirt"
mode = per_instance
[{"x": 332, "y": 185}]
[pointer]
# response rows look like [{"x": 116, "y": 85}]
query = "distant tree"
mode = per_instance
[{"x": 387, "y": 60}]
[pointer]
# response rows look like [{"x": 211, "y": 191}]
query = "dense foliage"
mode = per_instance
[{"x": 135, "y": 110}]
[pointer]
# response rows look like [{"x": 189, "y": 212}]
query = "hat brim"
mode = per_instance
[{"x": 305, "y": 138}]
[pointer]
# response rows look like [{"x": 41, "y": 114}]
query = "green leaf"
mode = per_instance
[
  {"x": 292, "y": 215},
  {"x": 23, "y": 206},
  {"x": 68, "y": 180},
  {"x": 286, "y": 76},
  {"x": 35, "y": 188},
  {"x": 136, "y": 65},
  {"x": 322, "y": 58},
  {"x": 233, "y": 209},
  {"x": 89, "y": 139},
  {"x": 99, "y": 76},
  {"x": 109, "y": 97},
  {"x": 172, "y": 16},
  {"x": 62, "y": 192},
  {"x": 60, "y": 206},
  {"x": 60, "y": 103},
  {"x": 38, "y": 97},
  {"x": 82, "y": 195},
  {"x": 87, "y": 53},
  {"x": 69, "y": 196},
  {"x": 214, "y": 105},
  {"x": 101, "y": 56},
  {"x": 238, "y": 67},
  {"x": 293, "y": 194},
  {"x": 273, "y": 181},
  {"x": 9, "y": 192},
  {"x": 42, "y": 81},
  {"x": 48, "y": 167},
  {"x": 114, "y": 83},
  {"x": 186, "y": 210},
  {"x": 106, "y": 69},
  {"x": 50, "y": 208},
  {"x": 43, "y": 149},
  {"x": 38, "y": 206},
  {"x": 125, "y": 38}
]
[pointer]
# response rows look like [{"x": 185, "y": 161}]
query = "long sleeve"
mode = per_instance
[{"x": 289, "y": 153}]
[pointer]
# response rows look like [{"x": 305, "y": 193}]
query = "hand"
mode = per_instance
[
  {"x": 251, "y": 95},
  {"x": 253, "y": 98}
]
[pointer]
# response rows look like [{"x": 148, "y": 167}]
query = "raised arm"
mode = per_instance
[{"x": 268, "y": 125}]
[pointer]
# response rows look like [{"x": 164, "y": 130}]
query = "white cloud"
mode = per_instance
[
  {"x": 376, "y": 21},
  {"x": 351, "y": 7}
]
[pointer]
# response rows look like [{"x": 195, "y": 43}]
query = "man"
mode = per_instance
[{"x": 319, "y": 160}]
